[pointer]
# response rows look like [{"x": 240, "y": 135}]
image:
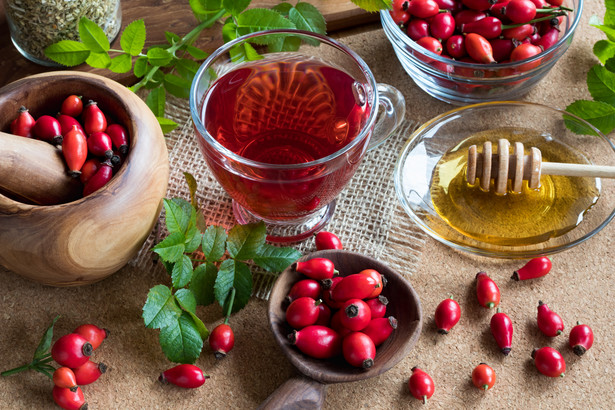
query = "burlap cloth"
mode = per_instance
[{"x": 368, "y": 220}]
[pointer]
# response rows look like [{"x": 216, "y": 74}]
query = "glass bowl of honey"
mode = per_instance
[{"x": 520, "y": 221}]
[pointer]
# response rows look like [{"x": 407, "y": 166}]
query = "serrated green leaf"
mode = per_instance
[
  {"x": 204, "y": 9},
  {"x": 187, "y": 69},
  {"x": 98, "y": 60},
  {"x": 286, "y": 43},
  {"x": 258, "y": 19},
  {"x": 193, "y": 238},
  {"x": 93, "y": 36},
  {"x": 202, "y": 284},
  {"x": 45, "y": 343},
  {"x": 276, "y": 259},
  {"x": 229, "y": 31},
  {"x": 235, "y": 6},
  {"x": 600, "y": 114},
  {"x": 156, "y": 101},
  {"x": 133, "y": 37},
  {"x": 233, "y": 274},
  {"x": 177, "y": 86},
  {"x": 307, "y": 17},
  {"x": 245, "y": 241},
  {"x": 186, "y": 300},
  {"x": 178, "y": 214},
  {"x": 171, "y": 38},
  {"x": 159, "y": 57},
  {"x": 167, "y": 125},
  {"x": 181, "y": 341},
  {"x": 182, "y": 272},
  {"x": 609, "y": 15},
  {"x": 196, "y": 53},
  {"x": 160, "y": 308},
  {"x": 609, "y": 31},
  {"x": 283, "y": 8},
  {"x": 610, "y": 64},
  {"x": 121, "y": 64},
  {"x": 67, "y": 52},
  {"x": 171, "y": 248},
  {"x": 601, "y": 84},
  {"x": 214, "y": 243},
  {"x": 373, "y": 6},
  {"x": 140, "y": 67},
  {"x": 604, "y": 49}
]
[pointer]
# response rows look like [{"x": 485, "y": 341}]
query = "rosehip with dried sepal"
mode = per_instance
[
  {"x": 23, "y": 124},
  {"x": 378, "y": 306},
  {"x": 549, "y": 361},
  {"x": 48, "y": 128},
  {"x": 581, "y": 338},
  {"x": 549, "y": 322},
  {"x": 534, "y": 268},
  {"x": 355, "y": 286},
  {"x": 68, "y": 399},
  {"x": 187, "y": 376},
  {"x": 304, "y": 288},
  {"x": 119, "y": 137},
  {"x": 421, "y": 385},
  {"x": 71, "y": 350},
  {"x": 447, "y": 315},
  {"x": 222, "y": 340},
  {"x": 74, "y": 150},
  {"x": 327, "y": 240},
  {"x": 89, "y": 372},
  {"x": 100, "y": 145},
  {"x": 487, "y": 291},
  {"x": 502, "y": 330},
  {"x": 99, "y": 179},
  {"x": 65, "y": 377},
  {"x": 356, "y": 314},
  {"x": 380, "y": 329},
  {"x": 302, "y": 312},
  {"x": 94, "y": 120},
  {"x": 359, "y": 350},
  {"x": 92, "y": 333}
]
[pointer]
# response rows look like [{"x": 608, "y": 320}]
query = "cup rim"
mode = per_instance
[
  {"x": 390, "y": 26},
  {"x": 363, "y": 134}
]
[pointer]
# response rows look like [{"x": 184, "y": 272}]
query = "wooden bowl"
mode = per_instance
[
  {"x": 88, "y": 239},
  {"x": 309, "y": 387}
]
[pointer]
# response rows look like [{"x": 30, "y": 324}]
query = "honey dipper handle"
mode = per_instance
[{"x": 578, "y": 170}]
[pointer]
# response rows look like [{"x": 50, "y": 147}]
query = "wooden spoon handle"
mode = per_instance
[
  {"x": 34, "y": 171},
  {"x": 298, "y": 392}
]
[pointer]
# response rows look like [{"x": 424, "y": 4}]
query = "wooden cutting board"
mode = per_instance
[{"x": 174, "y": 16}]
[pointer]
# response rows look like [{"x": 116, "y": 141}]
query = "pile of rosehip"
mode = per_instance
[
  {"x": 72, "y": 352},
  {"x": 547, "y": 360},
  {"x": 92, "y": 147},
  {"x": 338, "y": 315},
  {"x": 482, "y": 31}
]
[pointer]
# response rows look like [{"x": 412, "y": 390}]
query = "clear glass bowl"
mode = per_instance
[
  {"x": 414, "y": 172},
  {"x": 460, "y": 83}
]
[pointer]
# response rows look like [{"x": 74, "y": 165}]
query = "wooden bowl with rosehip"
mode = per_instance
[
  {"x": 83, "y": 172},
  {"x": 472, "y": 51},
  {"x": 369, "y": 318}
]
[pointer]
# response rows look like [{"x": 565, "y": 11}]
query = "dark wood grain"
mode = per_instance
[
  {"x": 88, "y": 239},
  {"x": 174, "y": 16},
  {"x": 404, "y": 305}
]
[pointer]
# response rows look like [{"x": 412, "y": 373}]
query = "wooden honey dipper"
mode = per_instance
[{"x": 519, "y": 167}]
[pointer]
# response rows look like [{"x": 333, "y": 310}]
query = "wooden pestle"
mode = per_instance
[
  {"x": 519, "y": 167},
  {"x": 34, "y": 171}
]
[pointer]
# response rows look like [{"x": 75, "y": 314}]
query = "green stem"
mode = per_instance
[
  {"x": 230, "y": 305},
  {"x": 16, "y": 370},
  {"x": 549, "y": 17}
]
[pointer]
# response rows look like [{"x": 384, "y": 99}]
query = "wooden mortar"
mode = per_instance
[{"x": 90, "y": 238}]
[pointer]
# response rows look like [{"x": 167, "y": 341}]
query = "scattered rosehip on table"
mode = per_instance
[
  {"x": 483, "y": 376},
  {"x": 487, "y": 291},
  {"x": 187, "y": 376},
  {"x": 581, "y": 338},
  {"x": 327, "y": 240},
  {"x": 447, "y": 315},
  {"x": 534, "y": 268},
  {"x": 421, "y": 385},
  {"x": 549, "y": 322},
  {"x": 502, "y": 331},
  {"x": 549, "y": 361}
]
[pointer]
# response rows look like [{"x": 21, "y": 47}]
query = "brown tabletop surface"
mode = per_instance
[{"x": 580, "y": 287}]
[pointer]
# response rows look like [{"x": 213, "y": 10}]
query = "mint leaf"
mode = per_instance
[
  {"x": 67, "y": 52},
  {"x": 245, "y": 241},
  {"x": 98, "y": 60},
  {"x": 171, "y": 248},
  {"x": 121, "y": 64},
  {"x": 93, "y": 36},
  {"x": 181, "y": 341},
  {"x": 214, "y": 243},
  {"x": 233, "y": 274},
  {"x": 166, "y": 124},
  {"x": 140, "y": 68},
  {"x": 307, "y": 17},
  {"x": 373, "y": 5},
  {"x": 235, "y": 6},
  {"x": 178, "y": 213},
  {"x": 132, "y": 40},
  {"x": 160, "y": 309},
  {"x": 600, "y": 114},
  {"x": 158, "y": 56},
  {"x": 187, "y": 301},
  {"x": 156, "y": 101},
  {"x": 177, "y": 86},
  {"x": 276, "y": 259},
  {"x": 182, "y": 272},
  {"x": 604, "y": 49},
  {"x": 202, "y": 284},
  {"x": 258, "y": 19},
  {"x": 601, "y": 84},
  {"x": 45, "y": 343}
]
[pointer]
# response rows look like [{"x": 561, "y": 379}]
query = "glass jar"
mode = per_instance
[{"x": 36, "y": 24}]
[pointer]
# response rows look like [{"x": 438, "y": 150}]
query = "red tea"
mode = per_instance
[{"x": 285, "y": 112}]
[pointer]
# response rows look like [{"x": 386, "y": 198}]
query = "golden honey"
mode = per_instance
[{"x": 525, "y": 218}]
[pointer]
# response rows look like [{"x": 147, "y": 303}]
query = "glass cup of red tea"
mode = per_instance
[{"x": 283, "y": 119}]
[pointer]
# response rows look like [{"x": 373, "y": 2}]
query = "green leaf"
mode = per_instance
[
  {"x": 233, "y": 274},
  {"x": 98, "y": 60},
  {"x": 177, "y": 86},
  {"x": 609, "y": 15},
  {"x": 204, "y": 9},
  {"x": 67, "y": 52},
  {"x": 167, "y": 125},
  {"x": 258, "y": 19},
  {"x": 192, "y": 186},
  {"x": 171, "y": 248},
  {"x": 276, "y": 259},
  {"x": 245, "y": 241},
  {"x": 132, "y": 40},
  {"x": 178, "y": 214},
  {"x": 196, "y": 53},
  {"x": 181, "y": 341},
  {"x": 121, "y": 64},
  {"x": 600, "y": 114},
  {"x": 93, "y": 36},
  {"x": 229, "y": 31},
  {"x": 609, "y": 31},
  {"x": 604, "y": 49},
  {"x": 601, "y": 84},
  {"x": 307, "y": 17},
  {"x": 202, "y": 284},
  {"x": 156, "y": 101},
  {"x": 160, "y": 309},
  {"x": 187, "y": 69},
  {"x": 283, "y": 8},
  {"x": 172, "y": 38},
  {"x": 214, "y": 243},
  {"x": 159, "y": 57},
  {"x": 182, "y": 272},
  {"x": 187, "y": 301},
  {"x": 373, "y": 5},
  {"x": 610, "y": 64},
  {"x": 235, "y": 6},
  {"x": 141, "y": 67},
  {"x": 193, "y": 239},
  {"x": 45, "y": 343}
]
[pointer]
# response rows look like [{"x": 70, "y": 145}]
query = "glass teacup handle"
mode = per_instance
[{"x": 390, "y": 114}]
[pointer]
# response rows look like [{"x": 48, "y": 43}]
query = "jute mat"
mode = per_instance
[{"x": 367, "y": 217}]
